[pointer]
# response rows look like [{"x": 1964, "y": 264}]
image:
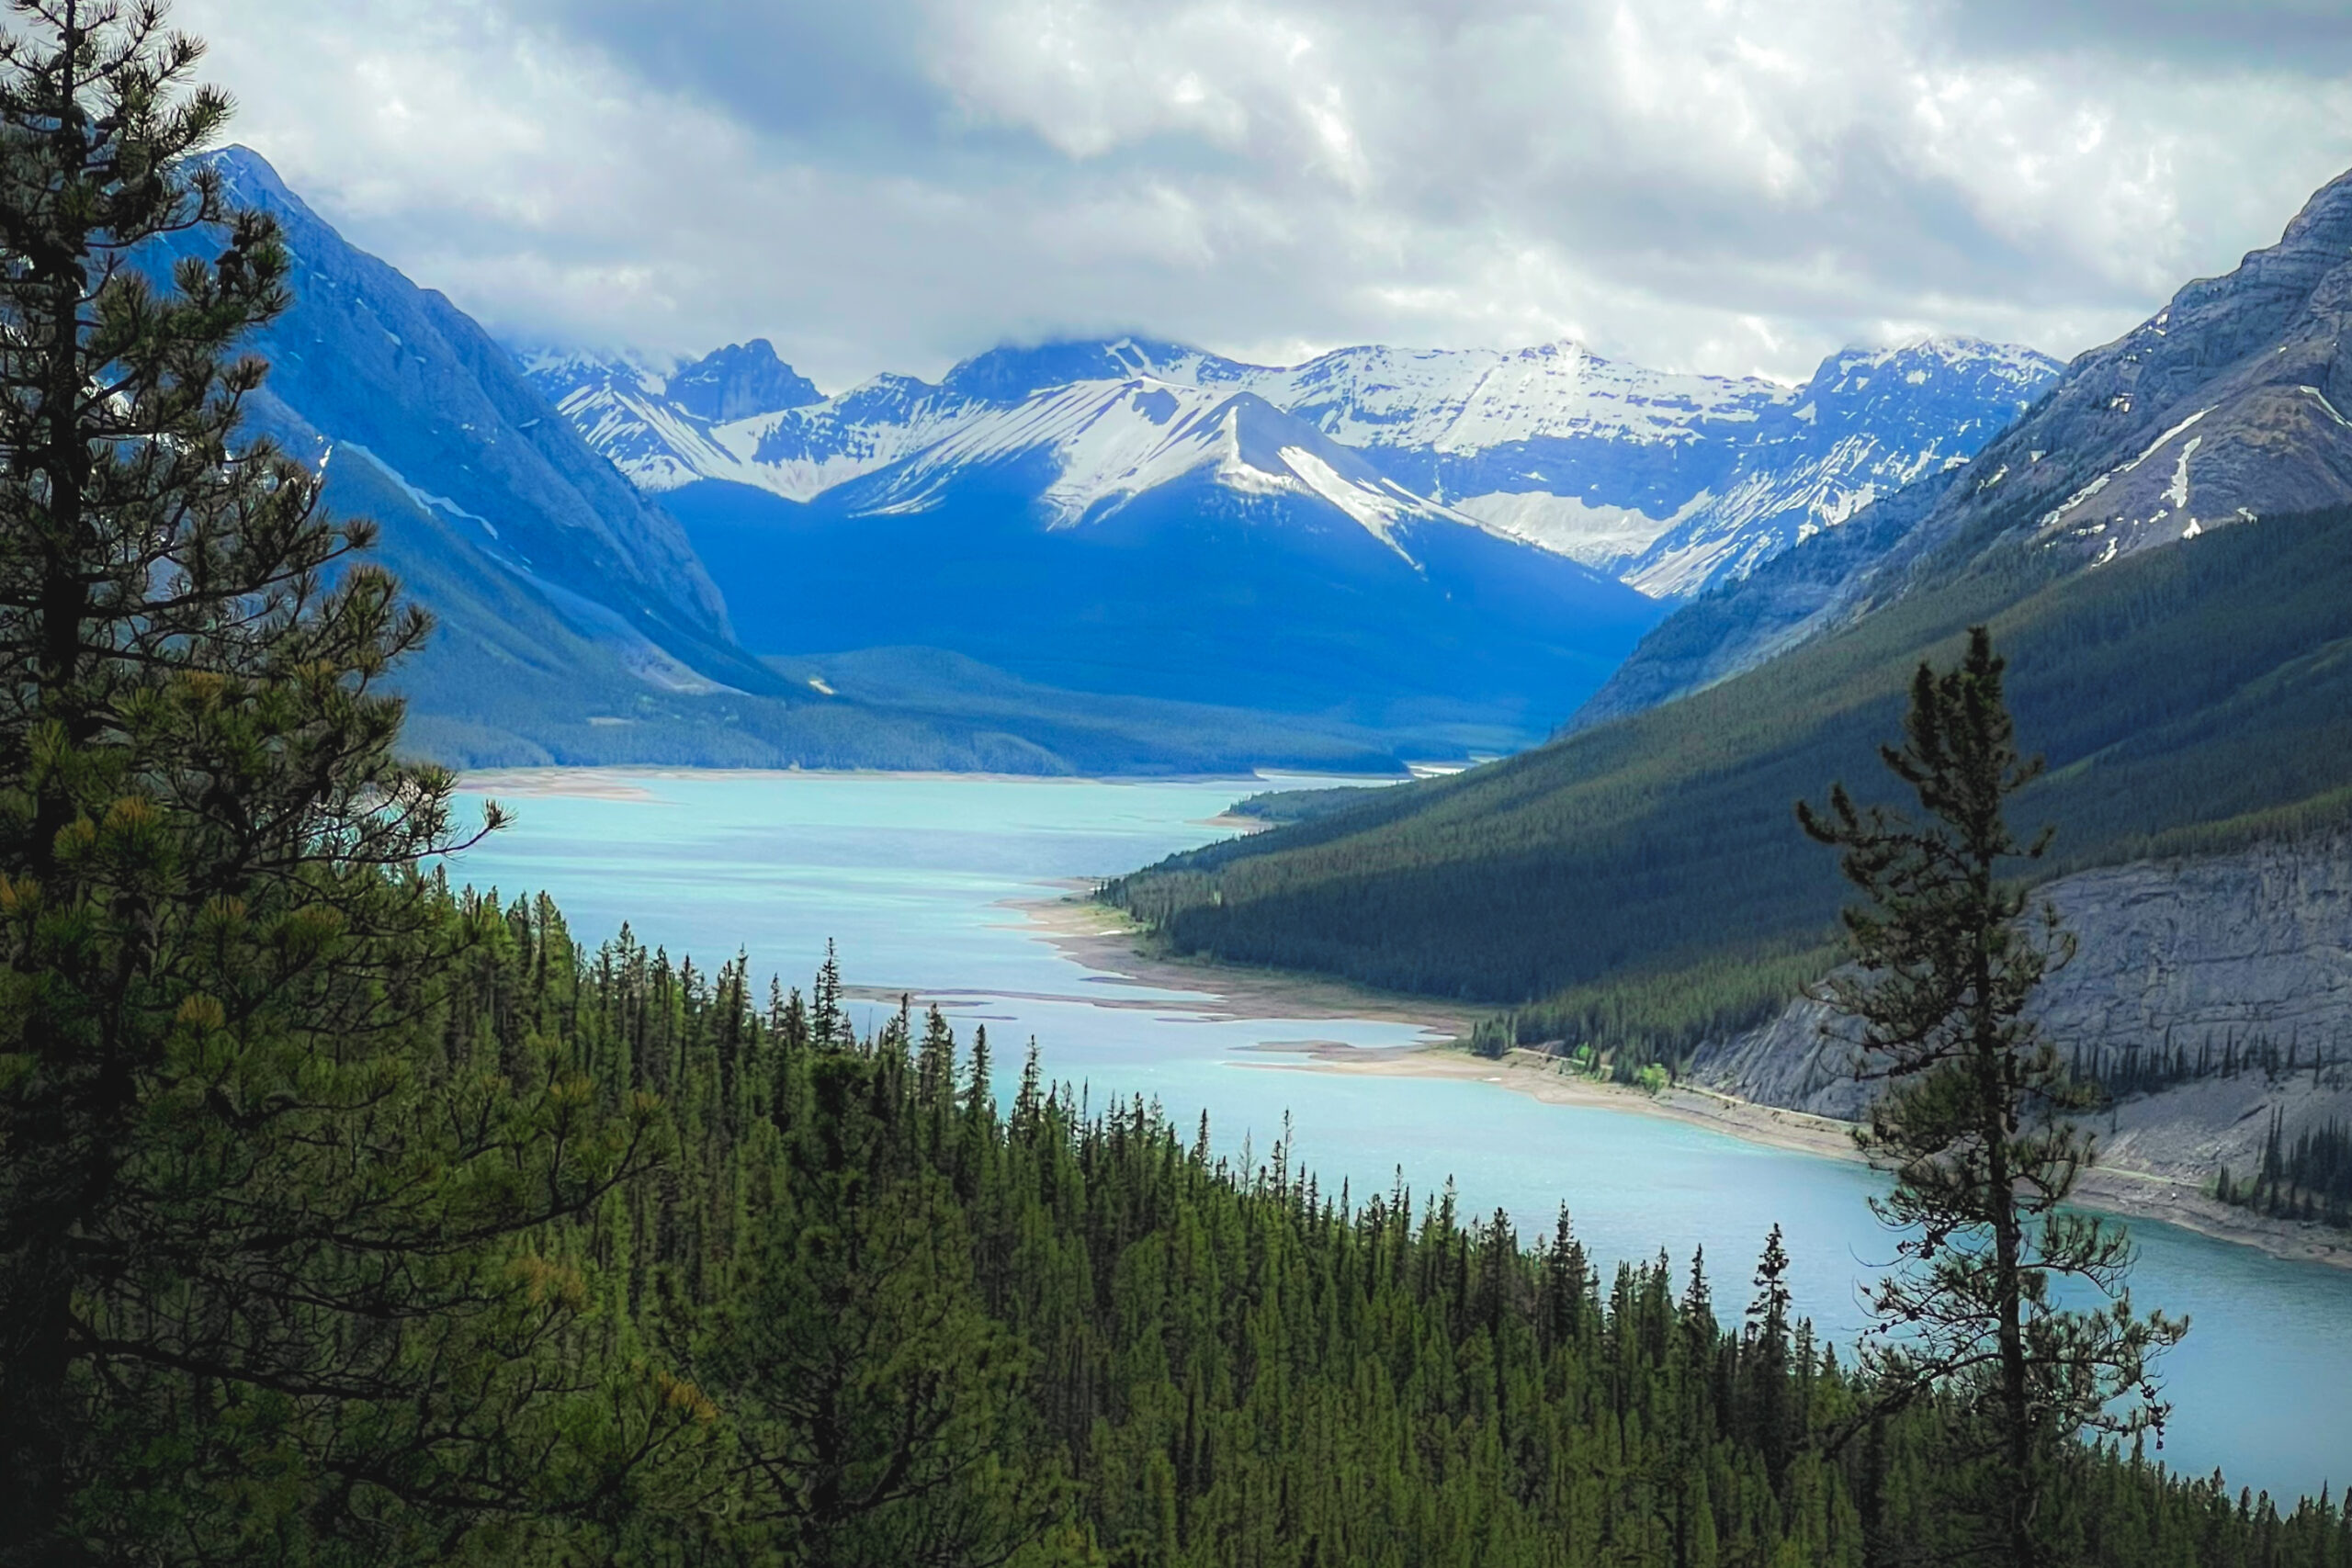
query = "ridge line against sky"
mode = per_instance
[{"x": 1732, "y": 187}]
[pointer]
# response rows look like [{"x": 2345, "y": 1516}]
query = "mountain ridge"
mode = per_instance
[
  {"x": 576, "y": 624},
  {"x": 1671, "y": 482},
  {"x": 2224, "y": 406},
  {"x": 365, "y": 367}
]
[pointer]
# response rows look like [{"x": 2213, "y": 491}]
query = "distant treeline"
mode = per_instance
[
  {"x": 2123, "y": 1071},
  {"x": 1626, "y": 1023},
  {"x": 2307, "y": 1178}
]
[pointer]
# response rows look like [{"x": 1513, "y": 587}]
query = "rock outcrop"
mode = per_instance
[{"x": 2248, "y": 950}]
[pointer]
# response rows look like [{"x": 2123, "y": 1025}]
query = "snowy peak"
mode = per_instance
[
  {"x": 1868, "y": 422},
  {"x": 1105, "y": 444},
  {"x": 804, "y": 452},
  {"x": 739, "y": 381},
  {"x": 1464, "y": 402},
  {"x": 1250, "y": 448},
  {"x": 660, "y": 426},
  {"x": 1006, "y": 375},
  {"x": 1674, "y": 481},
  {"x": 619, "y": 408},
  {"x": 1929, "y": 382},
  {"x": 2232, "y": 403}
]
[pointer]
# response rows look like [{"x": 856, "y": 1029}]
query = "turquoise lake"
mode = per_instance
[{"x": 918, "y": 880}]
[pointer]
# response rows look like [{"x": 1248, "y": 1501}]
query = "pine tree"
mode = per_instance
[
  {"x": 1974, "y": 1114},
  {"x": 261, "y": 1252},
  {"x": 829, "y": 1024},
  {"x": 1764, "y": 1354},
  {"x": 935, "y": 1077},
  {"x": 871, "y": 1397}
]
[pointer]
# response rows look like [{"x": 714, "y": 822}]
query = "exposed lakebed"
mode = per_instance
[{"x": 921, "y": 883}]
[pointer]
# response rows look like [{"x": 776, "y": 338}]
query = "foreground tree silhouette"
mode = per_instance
[
  {"x": 1973, "y": 1119},
  {"x": 263, "y": 1220}
]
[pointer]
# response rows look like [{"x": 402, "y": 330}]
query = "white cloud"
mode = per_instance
[{"x": 1725, "y": 185}]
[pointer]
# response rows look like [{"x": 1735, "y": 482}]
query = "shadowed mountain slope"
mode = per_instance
[
  {"x": 2227, "y": 405},
  {"x": 1220, "y": 551},
  {"x": 2197, "y": 691}
]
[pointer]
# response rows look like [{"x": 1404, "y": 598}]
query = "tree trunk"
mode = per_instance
[{"x": 2016, "y": 1437}]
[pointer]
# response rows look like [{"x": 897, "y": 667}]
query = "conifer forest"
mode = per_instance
[{"x": 685, "y": 1274}]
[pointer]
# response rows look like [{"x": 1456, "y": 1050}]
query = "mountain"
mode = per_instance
[
  {"x": 2222, "y": 407},
  {"x": 368, "y": 371},
  {"x": 1868, "y": 424},
  {"x": 1672, "y": 482},
  {"x": 574, "y": 621},
  {"x": 737, "y": 382},
  {"x": 2226, "y": 406},
  {"x": 659, "y": 426},
  {"x": 2188, "y": 673},
  {"x": 1783, "y": 601},
  {"x": 1147, "y": 538},
  {"x": 1073, "y": 523}
]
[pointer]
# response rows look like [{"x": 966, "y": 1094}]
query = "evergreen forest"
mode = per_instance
[
  {"x": 827, "y": 1301},
  {"x": 2307, "y": 1177}
]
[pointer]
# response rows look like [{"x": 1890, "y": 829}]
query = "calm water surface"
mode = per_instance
[{"x": 916, "y": 880}]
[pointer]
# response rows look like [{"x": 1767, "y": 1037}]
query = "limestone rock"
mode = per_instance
[{"x": 2252, "y": 948}]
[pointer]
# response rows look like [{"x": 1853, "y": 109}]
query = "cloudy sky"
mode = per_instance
[{"x": 1731, "y": 185}]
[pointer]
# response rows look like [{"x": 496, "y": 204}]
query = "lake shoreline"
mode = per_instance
[
  {"x": 598, "y": 782},
  {"x": 1107, "y": 940}
]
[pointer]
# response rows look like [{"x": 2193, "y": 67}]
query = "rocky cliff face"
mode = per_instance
[
  {"x": 739, "y": 381},
  {"x": 2253, "y": 948},
  {"x": 2222, "y": 407},
  {"x": 2232, "y": 403}
]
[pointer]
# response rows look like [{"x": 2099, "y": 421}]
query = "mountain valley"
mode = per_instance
[
  {"x": 2181, "y": 652},
  {"x": 577, "y": 624},
  {"x": 1092, "y": 556},
  {"x": 1115, "y": 956}
]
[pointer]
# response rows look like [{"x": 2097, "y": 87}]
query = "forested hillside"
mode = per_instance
[
  {"x": 2185, "y": 695},
  {"x": 831, "y": 1304}
]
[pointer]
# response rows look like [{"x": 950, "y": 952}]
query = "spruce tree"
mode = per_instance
[{"x": 1974, "y": 1113}]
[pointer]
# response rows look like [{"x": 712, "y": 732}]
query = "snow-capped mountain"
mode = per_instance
[
  {"x": 1109, "y": 442},
  {"x": 1670, "y": 482},
  {"x": 1206, "y": 548},
  {"x": 1867, "y": 425},
  {"x": 658, "y": 426},
  {"x": 421, "y": 418},
  {"x": 1121, "y": 518},
  {"x": 2228, "y": 405}
]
